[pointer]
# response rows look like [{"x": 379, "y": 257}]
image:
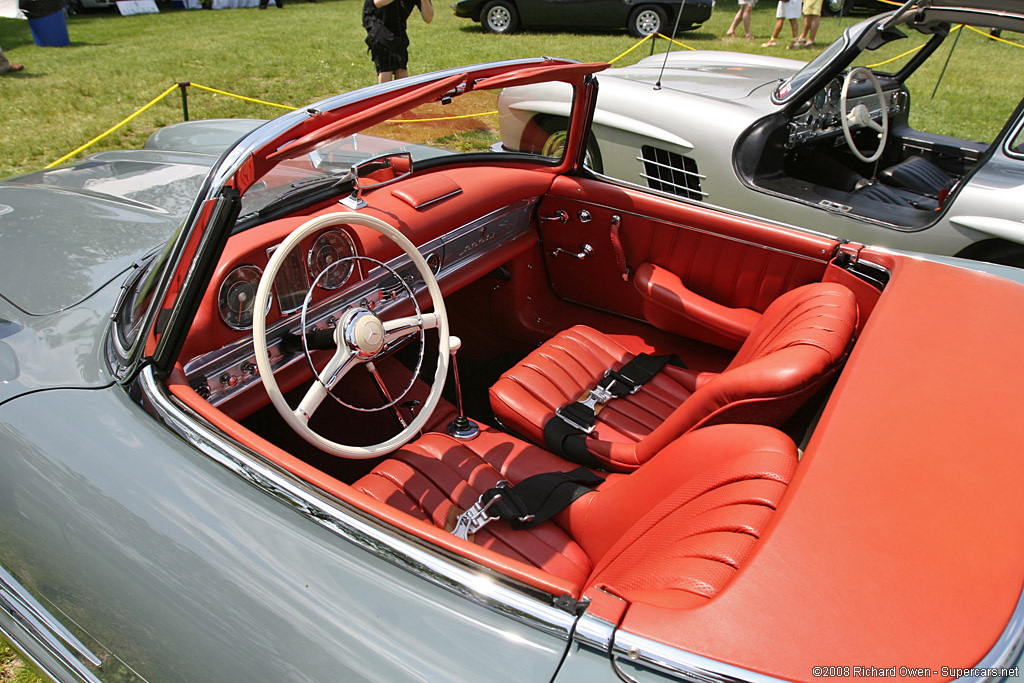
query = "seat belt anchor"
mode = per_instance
[{"x": 476, "y": 517}]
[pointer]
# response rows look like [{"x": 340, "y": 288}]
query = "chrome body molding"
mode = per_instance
[
  {"x": 223, "y": 373},
  {"x": 1004, "y": 655},
  {"x": 37, "y": 622},
  {"x": 531, "y": 607}
]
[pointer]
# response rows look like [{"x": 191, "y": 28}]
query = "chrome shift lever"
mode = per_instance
[{"x": 461, "y": 427}]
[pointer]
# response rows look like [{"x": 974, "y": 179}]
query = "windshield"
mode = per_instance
[
  {"x": 466, "y": 123},
  {"x": 796, "y": 82}
]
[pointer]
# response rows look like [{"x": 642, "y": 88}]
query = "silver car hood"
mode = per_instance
[
  {"x": 69, "y": 231},
  {"x": 720, "y": 75}
]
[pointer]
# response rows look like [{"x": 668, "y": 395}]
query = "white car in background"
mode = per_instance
[{"x": 827, "y": 144}]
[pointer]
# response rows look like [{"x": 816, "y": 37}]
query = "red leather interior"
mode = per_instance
[
  {"x": 708, "y": 497},
  {"x": 669, "y": 305},
  {"x": 797, "y": 344},
  {"x": 730, "y": 262}
]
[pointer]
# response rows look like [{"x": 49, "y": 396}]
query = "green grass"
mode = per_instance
[
  {"x": 67, "y": 96},
  {"x": 12, "y": 670}
]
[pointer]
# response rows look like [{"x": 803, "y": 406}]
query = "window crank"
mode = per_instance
[{"x": 585, "y": 251}]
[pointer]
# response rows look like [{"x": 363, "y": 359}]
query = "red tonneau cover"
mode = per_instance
[{"x": 900, "y": 541}]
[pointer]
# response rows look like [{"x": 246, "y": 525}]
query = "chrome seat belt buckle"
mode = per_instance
[{"x": 476, "y": 517}]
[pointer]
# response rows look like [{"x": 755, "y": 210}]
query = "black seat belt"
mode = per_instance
[
  {"x": 566, "y": 433},
  {"x": 532, "y": 501}
]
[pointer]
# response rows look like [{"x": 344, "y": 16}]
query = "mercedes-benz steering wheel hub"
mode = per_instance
[{"x": 364, "y": 333}]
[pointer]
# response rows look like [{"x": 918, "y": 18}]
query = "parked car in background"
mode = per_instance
[
  {"x": 641, "y": 17},
  {"x": 831, "y": 143},
  {"x": 227, "y": 452}
]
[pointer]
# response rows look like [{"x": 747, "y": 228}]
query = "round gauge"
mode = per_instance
[
  {"x": 835, "y": 92},
  {"x": 237, "y": 297},
  {"x": 819, "y": 100},
  {"x": 329, "y": 248}
]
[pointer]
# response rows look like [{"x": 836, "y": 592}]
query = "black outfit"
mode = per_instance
[{"x": 386, "y": 38}]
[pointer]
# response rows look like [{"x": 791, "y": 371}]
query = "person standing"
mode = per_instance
[
  {"x": 787, "y": 9},
  {"x": 5, "y": 65},
  {"x": 812, "y": 18},
  {"x": 743, "y": 14},
  {"x": 387, "y": 39}
]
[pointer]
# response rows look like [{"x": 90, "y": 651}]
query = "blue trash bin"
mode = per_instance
[{"x": 50, "y": 31}]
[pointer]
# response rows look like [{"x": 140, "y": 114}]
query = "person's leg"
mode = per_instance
[
  {"x": 5, "y": 65},
  {"x": 812, "y": 31},
  {"x": 385, "y": 76},
  {"x": 775, "y": 33},
  {"x": 735, "y": 22},
  {"x": 748, "y": 9},
  {"x": 401, "y": 73},
  {"x": 793, "y": 25}
]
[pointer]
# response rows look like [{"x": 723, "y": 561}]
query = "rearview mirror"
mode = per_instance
[{"x": 377, "y": 172}]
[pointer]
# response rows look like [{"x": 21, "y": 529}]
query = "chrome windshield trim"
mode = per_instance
[
  {"x": 1002, "y": 661},
  {"x": 489, "y": 590},
  {"x": 44, "y": 628}
]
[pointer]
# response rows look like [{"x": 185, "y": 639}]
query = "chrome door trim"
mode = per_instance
[
  {"x": 44, "y": 629},
  {"x": 446, "y": 570}
]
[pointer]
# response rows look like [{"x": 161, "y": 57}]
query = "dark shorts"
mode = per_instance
[{"x": 390, "y": 59}]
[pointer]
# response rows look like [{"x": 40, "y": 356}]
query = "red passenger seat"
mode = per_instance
[
  {"x": 673, "y": 533},
  {"x": 799, "y": 342}
]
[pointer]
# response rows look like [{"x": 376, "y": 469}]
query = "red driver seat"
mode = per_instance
[
  {"x": 673, "y": 533},
  {"x": 800, "y": 340}
]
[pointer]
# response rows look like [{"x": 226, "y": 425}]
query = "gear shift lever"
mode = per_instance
[{"x": 461, "y": 427}]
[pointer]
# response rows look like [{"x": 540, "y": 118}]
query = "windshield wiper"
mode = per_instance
[{"x": 300, "y": 188}]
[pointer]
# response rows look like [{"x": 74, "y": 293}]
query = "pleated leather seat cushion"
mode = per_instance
[
  {"x": 799, "y": 342},
  {"x": 673, "y": 533}
]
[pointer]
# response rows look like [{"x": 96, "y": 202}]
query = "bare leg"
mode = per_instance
[
  {"x": 385, "y": 76},
  {"x": 401, "y": 73}
]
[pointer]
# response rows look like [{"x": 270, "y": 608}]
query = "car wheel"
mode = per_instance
[
  {"x": 499, "y": 17},
  {"x": 836, "y": 8},
  {"x": 553, "y": 143},
  {"x": 645, "y": 20}
]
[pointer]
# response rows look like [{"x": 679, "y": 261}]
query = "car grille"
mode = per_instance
[{"x": 671, "y": 172}]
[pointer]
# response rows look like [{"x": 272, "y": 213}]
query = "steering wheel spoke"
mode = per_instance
[
  {"x": 361, "y": 337},
  {"x": 403, "y": 327},
  {"x": 860, "y": 115}
]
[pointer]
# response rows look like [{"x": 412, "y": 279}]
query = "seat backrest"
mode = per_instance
[
  {"x": 674, "y": 532},
  {"x": 799, "y": 343}
]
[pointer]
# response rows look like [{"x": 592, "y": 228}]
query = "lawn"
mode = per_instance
[
  {"x": 292, "y": 56},
  {"x": 307, "y": 51}
]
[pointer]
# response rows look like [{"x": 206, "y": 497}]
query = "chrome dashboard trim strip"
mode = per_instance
[
  {"x": 235, "y": 363},
  {"x": 491, "y": 591}
]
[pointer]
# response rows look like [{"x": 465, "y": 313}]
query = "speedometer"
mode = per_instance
[
  {"x": 237, "y": 297},
  {"x": 328, "y": 249}
]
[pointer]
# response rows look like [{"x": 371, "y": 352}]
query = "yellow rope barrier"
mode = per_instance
[
  {"x": 108, "y": 132},
  {"x": 662, "y": 35},
  {"x": 992, "y": 37},
  {"x": 910, "y": 51},
  {"x": 642, "y": 41},
  {"x": 442, "y": 118},
  {"x": 242, "y": 97}
]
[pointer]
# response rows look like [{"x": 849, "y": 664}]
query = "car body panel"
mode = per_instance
[
  {"x": 137, "y": 526},
  {"x": 210, "y": 136},
  {"x": 604, "y": 14}
]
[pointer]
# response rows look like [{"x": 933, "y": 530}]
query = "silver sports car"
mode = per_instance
[
  {"x": 836, "y": 144},
  {"x": 348, "y": 396}
]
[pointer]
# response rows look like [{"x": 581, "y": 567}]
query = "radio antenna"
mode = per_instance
[{"x": 657, "y": 86}]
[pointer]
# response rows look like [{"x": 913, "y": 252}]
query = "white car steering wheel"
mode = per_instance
[
  {"x": 860, "y": 117},
  {"x": 360, "y": 337}
]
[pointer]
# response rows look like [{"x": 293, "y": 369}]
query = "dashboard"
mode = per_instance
[
  {"x": 821, "y": 117},
  {"x": 330, "y": 272}
]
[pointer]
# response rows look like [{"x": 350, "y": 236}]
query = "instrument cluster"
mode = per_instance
[{"x": 327, "y": 264}]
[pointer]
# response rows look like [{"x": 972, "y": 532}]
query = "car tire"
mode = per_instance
[
  {"x": 499, "y": 17},
  {"x": 836, "y": 8},
  {"x": 647, "y": 19},
  {"x": 552, "y": 134}
]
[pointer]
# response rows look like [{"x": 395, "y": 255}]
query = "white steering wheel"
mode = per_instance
[
  {"x": 360, "y": 337},
  {"x": 860, "y": 117}
]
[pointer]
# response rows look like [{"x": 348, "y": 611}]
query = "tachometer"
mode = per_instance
[
  {"x": 329, "y": 248},
  {"x": 237, "y": 297}
]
